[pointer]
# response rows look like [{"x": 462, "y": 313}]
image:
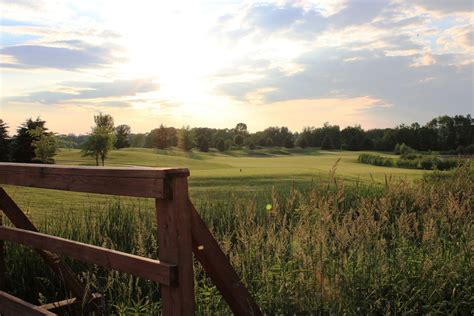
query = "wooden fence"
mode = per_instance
[{"x": 181, "y": 233}]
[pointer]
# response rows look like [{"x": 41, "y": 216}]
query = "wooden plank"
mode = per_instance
[
  {"x": 218, "y": 268},
  {"x": 175, "y": 245},
  {"x": 13, "y": 306},
  {"x": 150, "y": 269},
  {"x": 3, "y": 270},
  {"x": 114, "y": 172},
  {"x": 137, "y": 181},
  {"x": 19, "y": 219},
  {"x": 69, "y": 304}
]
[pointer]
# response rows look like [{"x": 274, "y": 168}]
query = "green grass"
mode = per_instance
[
  {"x": 215, "y": 175},
  {"x": 330, "y": 247},
  {"x": 265, "y": 163}
]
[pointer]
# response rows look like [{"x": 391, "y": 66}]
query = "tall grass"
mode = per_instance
[{"x": 400, "y": 247}]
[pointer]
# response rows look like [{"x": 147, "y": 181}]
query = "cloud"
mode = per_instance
[
  {"x": 299, "y": 21},
  {"x": 444, "y": 6},
  {"x": 74, "y": 55},
  {"x": 90, "y": 91},
  {"x": 271, "y": 17},
  {"x": 434, "y": 88},
  {"x": 358, "y": 12}
]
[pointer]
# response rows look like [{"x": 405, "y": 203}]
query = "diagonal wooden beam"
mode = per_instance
[
  {"x": 151, "y": 269},
  {"x": 218, "y": 268},
  {"x": 20, "y": 220},
  {"x": 13, "y": 306},
  {"x": 69, "y": 305}
]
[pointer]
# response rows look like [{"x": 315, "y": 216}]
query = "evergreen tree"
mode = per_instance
[
  {"x": 22, "y": 146},
  {"x": 4, "y": 142}
]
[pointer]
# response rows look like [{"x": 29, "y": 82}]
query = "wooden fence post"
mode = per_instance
[
  {"x": 3, "y": 269},
  {"x": 175, "y": 246}
]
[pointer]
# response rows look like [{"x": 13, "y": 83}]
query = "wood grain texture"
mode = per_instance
[
  {"x": 150, "y": 269},
  {"x": 139, "y": 182},
  {"x": 73, "y": 305},
  {"x": 13, "y": 306},
  {"x": 20, "y": 220},
  {"x": 175, "y": 245},
  {"x": 218, "y": 268},
  {"x": 3, "y": 270}
]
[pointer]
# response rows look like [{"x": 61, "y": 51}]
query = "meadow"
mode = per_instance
[
  {"x": 340, "y": 237},
  {"x": 214, "y": 175}
]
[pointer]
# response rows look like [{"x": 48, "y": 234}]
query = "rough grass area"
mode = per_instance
[{"x": 329, "y": 247}]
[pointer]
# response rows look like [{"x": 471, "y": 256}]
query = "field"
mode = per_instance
[
  {"x": 339, "y": 238},
  {"x": 214, "y": 175}
]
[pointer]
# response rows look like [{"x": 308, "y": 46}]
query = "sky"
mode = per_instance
[{"x": 377, "y": 63}]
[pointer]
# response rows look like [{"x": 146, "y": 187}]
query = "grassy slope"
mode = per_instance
[
  {"x": 262, "y": 163},
  {"x": 214, "y": 175}
]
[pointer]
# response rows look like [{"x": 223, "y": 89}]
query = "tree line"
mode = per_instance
[{"x": 33, "y": 142}]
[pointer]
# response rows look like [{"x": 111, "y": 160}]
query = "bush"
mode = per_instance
[
  {"x": 446, "y": 164},
  {"x": 407, "y": 163},
  {"x": 403, "y": 149},
  {"x": 375, "y": 160},
  {"x": 410, "y": 161}
]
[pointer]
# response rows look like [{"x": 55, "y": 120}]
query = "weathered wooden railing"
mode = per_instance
[{"x": 181, "y": 232}]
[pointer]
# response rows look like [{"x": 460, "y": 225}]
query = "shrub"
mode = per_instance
[
  {"x": 407, "y": 163},
  {"x": 446, "y": 164},
  {"x": 375, "y": 160},
  {"x": 410, "y": 161},
  {"x": 403, "y": 149}
]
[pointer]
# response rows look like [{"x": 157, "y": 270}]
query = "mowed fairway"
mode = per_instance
[
  {"x": 214, "y": 175},
  {"x": 274, "y": 163}
]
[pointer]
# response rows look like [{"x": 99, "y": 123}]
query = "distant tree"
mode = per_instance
[
  {"x": 162, "y": 137},
  {"x": 22, "y": 149},
  {"x": 101, "y": 140},
  {"x": 332, "y": 134},
  {"x": 227, "y": 144},
  {"x": 327, "y": 143},
  {"x": 203, "y": 144},
  {"x": 137, "y": 140},
  {"x": 45, "y": 146},
  {"x": 269, "y": 142},
  {"x": 305, "y": 138},
  {"x": 367, "y": 144},
  {"x": 122, "y": 134},
  {"x": 105, "y": 122},
  {"x": 4, "y": 142},
  {"x": 352, "y": 138},
  {"x": 238, "y": 140},
  {"x": 241, "y": 129},
  {"x": 302, "y": 142},
  {"x": 251, "y": 145},
  {"x": 203, "y": 137},
  {"x": 185, "y": 139},
  {"x": 220, "y": 145}
]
